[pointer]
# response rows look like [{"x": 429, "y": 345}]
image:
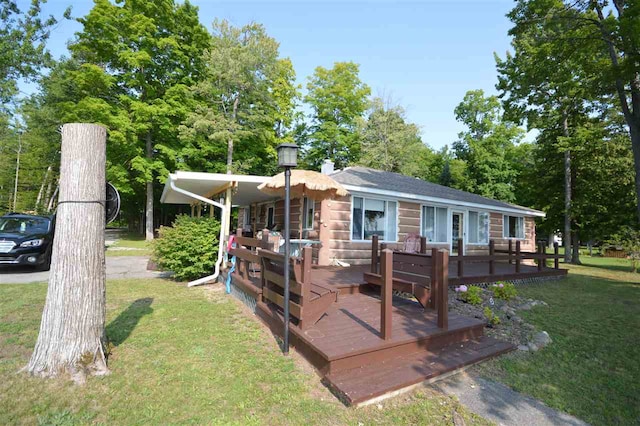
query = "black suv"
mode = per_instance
[{"x": 26, "y": 240}]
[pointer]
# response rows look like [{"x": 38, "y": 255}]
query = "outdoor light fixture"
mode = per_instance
[
  {"x": 287, "y": 158},
  {"x": 287, "y": 155}
]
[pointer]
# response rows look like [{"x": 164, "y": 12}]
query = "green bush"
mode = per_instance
[
  {"x": 470, "y": 294},
  {"x": 189, "y": 247},
  {"x": 504, "y": 290},
  {"x": 491, "y": 317}
]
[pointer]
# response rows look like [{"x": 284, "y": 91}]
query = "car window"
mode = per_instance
[{"x": 24, "y": 225}]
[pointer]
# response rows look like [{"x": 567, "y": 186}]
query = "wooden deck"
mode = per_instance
[
  {"x": 365, "y": 345},
  {"x": 347, "y": 350}
]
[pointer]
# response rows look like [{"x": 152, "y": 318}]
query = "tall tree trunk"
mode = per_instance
[
  {"x": 575, "y": 242},
  {"x": 634, "y": 131},
  {"x": 15, "y": 187},
  {"x": 47, "y": 194},
  {"x": 631, "y": 112},
  {"x": 566, "y": 237},
  {"x": 42, "y": 187},
  {"x": 149, "y": 191},
  {"x": 52, "y": 200},
  {"x": 234, "y": 116},
  {"x": 72, "y": 332}
]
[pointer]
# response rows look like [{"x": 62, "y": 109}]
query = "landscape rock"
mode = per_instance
[
  {"x": 523, "y": 348},
  {"x": 542, "y": 339}
]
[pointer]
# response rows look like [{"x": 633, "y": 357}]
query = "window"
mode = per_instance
[
  {"x": 270, "y": 217},
  {"x": 478, "y": 227},
  {"x": 308, "y": 211},
  {"x": 513, "y": 227},
  {"x": 247, "y": 217},
  {"x": 374, "y": 217},
  {"x": 434, "y": 224}
]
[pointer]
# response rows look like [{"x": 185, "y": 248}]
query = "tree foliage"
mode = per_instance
[
  {"x": 486, "y": 146},
  {"x": 245, "y": 103},
  {"x": 392, "y": 144},
  {"x": 337, "y": 98}
]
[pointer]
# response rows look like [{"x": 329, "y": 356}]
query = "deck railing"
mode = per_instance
[{"x": 397, "y": 269}]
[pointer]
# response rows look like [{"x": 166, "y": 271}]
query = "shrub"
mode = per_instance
[
  {"x": 492, "y": 318},
  {"x": 189, "y": 247},
  {"x": 469, "y": 294},
  {"x": 629, "y": 239},
  {"x": 504, "y": 291}
]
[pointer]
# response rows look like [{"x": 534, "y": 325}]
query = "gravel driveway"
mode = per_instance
[{"x": 118, "y": 267}]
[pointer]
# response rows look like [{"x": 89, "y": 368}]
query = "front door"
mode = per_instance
[{"x": 457, "y": 232}]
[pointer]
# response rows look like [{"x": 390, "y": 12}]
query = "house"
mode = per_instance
[{"x": 393, "y": 206}]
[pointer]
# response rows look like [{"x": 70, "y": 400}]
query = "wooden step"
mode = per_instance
[
  {"x": 392, "y": 349},
  {"x": 358, "y": 385}
]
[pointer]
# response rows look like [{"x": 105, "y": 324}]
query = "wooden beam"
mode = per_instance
[
  {"x": 556, "y": 260},
  {"x": 460, "y": 259},
  {"x": 492, "y": 252},
  {"x": 443, "y": 291},
  {"x": 517, "y": 257},
  {"x": 374, "y": 254},
  {"x": 386, "y": 296}
]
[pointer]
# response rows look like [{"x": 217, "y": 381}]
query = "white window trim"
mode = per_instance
[
  {"x": 488, "y": 228},
  {"x": 386, "y": 200},
  {"x": 449, "y": 230},
  {"x": 304, "y": 212},
  {"x": 505, "y": 228}
]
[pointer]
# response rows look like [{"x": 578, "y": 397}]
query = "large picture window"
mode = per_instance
[
  {"x": 374, "y": 217},
  {"x": 478, "y": 227},
  {"x": 307, "y": 213},
  {"x": 513, "y": 227},
  {"x": 434, "y": 224}
]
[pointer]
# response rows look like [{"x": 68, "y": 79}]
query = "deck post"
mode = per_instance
[
  {"x": 435, "y": 286},
  {"x": 423, "y": 245},
  {"x": 542, "y": 261},
  {"x": 556, "y": 261},
  {"x": 386, "y": 270},
  {"x": 443, "y": 291},
  {"x": 517, "y": 257},
  {"x": 460, "y": 259},
  {"x": 510, "y": 252},
  {"x": 239, "y": 232},
  {"x": 374, "y": 254},
  {"x": 492, "y": 253}
]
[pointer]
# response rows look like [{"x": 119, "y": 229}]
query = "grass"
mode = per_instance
[
  {"x": 592, "y": 368},
  {"x": 130, "y": 245},
  {"x": 183, "y": 356}
]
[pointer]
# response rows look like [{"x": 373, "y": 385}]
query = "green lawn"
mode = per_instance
[
  {"x": 183, "y": 356},
  {"x": 592, "y": 368},
  {"x": 130, "y": 245}
]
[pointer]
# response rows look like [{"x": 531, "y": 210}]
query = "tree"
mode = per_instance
[
  {"x": 23, "y": 37},
  {"x": 72, "y": 332},
  {"x": 390, "y": 143},
  {"x": 150, "y": 53},
  {"x": 598, "y": 40},
  {"x": 337, "y": 98},
  {"x": 246, "y": 102},
  {"x": 486, "y": 145}
]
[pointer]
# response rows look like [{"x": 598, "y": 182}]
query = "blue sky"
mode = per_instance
[{"x": 424, "y": 54}]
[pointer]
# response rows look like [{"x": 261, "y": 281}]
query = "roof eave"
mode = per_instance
[{"x": 424, "y": 198}]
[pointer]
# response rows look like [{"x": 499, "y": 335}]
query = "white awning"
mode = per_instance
[{"x": 209, "y": 184}]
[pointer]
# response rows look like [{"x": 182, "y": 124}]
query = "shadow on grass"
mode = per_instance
[{"x": 120, "y": 328}]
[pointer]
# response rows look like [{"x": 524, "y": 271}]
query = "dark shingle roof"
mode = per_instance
[{"x": 388, "y": 181}]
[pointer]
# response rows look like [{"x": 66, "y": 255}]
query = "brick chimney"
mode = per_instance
[{"x": 327, "y": 167}]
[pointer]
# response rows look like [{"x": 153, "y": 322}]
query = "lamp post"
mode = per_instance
[{"x": 287, "y": 158}]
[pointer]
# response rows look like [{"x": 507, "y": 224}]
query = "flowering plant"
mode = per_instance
[
  {"x": 469, "y": 294},
  {"x": 504, "y": 291}
]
